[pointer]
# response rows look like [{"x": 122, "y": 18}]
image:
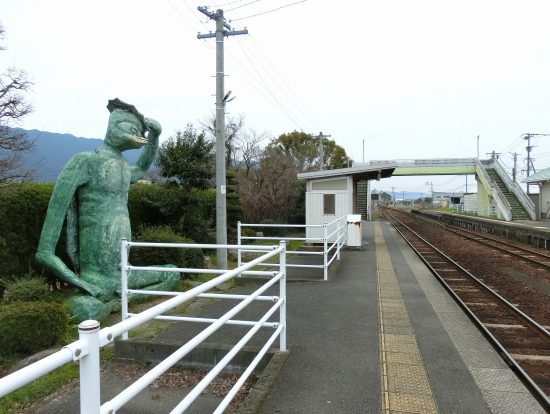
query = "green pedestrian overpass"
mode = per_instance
[{"x": 497, "y": 192}]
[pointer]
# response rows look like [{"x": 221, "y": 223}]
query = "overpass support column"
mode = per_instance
[{"x": 483, "y": 199}]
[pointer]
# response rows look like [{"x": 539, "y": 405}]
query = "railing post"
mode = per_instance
[
  {"x": 325, "y": 253},
  {"x": 90, "y": 391},
  {"x": 124, "y": 282},
  {"x": 339, "y": 240},
  {"x": 239, "y": 259},
  {"x": 282, "y": 295}
]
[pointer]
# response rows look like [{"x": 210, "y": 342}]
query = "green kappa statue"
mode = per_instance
[{"x": 92, "y": 193}]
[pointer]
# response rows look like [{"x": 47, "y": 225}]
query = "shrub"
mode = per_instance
[
  {"x": 150, "y": 256},
  {"x": 22, "y": 212},
  {"x": 26, "y": 290},
  {"x": 144, "y": 202},
  {"x": 28, "y": 327},
  {"x": 272, "y": 231}
]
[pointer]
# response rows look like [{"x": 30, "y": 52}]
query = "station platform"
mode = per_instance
[
  {"x": 380, "y": 336},
  {"x": 531, "y": 232}
]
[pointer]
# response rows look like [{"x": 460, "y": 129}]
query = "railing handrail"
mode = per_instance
[
  {"x": 502, "y": 203},
  {"x": 523, "y": 198},
  {"x": 429, "y": 162},
  {"x": 86, "y": 349},
  {"x": 340, "y": 229}
]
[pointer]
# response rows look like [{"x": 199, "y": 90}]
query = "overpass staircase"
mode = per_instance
[{"x": 520, "y": 206}]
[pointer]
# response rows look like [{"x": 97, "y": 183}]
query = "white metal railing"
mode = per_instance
[
  {"x": 433, "y": 162},
  {"x": 488, "y": 211},
  {"x": 92, "y": 338},
  {"x": 522, "y": 197},
  {"x": 333, "y": 238}
]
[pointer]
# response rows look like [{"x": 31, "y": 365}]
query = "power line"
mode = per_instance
[
  {"x": 180, "y": 14},
  {"x": 277, "y": 83},
  {"x": 300, "y": 105},
  {"x": 243, "y": 5},
  {"x": 193, "y": 13},
  {"x": 254, "y": 87},
  {"x": 228, "y": 3},
  {"x": 515, "y": 143},
  {"x": 190, "y": 24},
  {"x": 269, "y": 11},
  {"x": 266, "y": 86}
]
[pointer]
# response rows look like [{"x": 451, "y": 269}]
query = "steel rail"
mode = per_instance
[
  {"x": 481, "y": 238},
  {"x": 533, "y": 387}
]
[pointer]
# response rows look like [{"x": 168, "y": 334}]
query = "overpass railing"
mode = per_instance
[
  {"x": 430, "y": 162},
  {"x": 333, "y": 239},
  {"x": 502, "y": 204},
  {"x": 91, "y": 338},
  {"x": 523, "y": 198}
]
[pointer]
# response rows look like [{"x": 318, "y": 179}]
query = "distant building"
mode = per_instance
[
  {"x": 444, "y": 199},
  {"x": 335, "y": 193}
]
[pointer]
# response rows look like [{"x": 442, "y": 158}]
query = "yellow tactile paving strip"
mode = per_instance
[{"x": 405, "y": 385}]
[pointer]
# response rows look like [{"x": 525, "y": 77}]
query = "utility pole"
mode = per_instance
[
  {"x": 529, "y": 148},
  {"x": 478, "y": 147},
  {"x": 432, "y": 189},
  {"x": 363, "y": 150},
  {"x": 515, "y": 168},
  {"x": 321, "y": 150},
  {"x": 221, "y": 98},
  {"x": 393, "y": 195}
]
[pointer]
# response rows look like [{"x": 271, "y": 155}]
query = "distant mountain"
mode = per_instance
[
  {"x": 53, "y": 150},
  {"x": 408, "y": 195}
]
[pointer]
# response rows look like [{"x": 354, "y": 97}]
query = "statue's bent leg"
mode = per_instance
[
  {"x": 88, "y": 307},
  {"x": 153, "y": 280}
]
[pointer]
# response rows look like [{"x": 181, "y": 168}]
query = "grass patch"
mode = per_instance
[{"x": 37, "y": 390}]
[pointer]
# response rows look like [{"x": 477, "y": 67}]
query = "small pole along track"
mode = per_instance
[
  {"x": 521, "y": 342},
  {"x": 524, "y": 253}
]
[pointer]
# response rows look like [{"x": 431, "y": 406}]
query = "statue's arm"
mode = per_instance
[
  {"x": 149, "y": 152},
  {"x": 73, "y": 176}
]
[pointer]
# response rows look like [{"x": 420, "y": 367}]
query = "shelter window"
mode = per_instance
[{"x": 329, "y": 204}]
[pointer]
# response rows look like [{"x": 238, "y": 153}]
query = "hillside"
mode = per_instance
[{"x": 53, "y": 150}]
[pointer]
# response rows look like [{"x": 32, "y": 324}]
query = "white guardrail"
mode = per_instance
[
  {"x": 92, "y": 338},
  {"x": 335, "y": 230},
  {"x": 489, "y": 211}
]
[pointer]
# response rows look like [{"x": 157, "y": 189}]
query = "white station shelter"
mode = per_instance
[
  {"x": 335, "y": 193},
  {"x": 542, "y": 178}
]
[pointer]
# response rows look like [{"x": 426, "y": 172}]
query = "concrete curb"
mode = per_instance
[
  {"x": 204, "y": 356},
  {"x": 266, "y": 381}
]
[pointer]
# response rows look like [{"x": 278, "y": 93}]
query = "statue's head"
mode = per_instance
[{"x": 127, "y": 127}]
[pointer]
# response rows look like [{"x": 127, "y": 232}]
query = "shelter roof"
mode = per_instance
[
  {"x": 543, "y": 175},
  {"x": 360, "y": 172}
]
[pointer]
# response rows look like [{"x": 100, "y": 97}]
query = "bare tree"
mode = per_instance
[
  {"x": 13, "y": 107},
  {"x": 247, "y": 148},
  {"x": 270, "y": 191},
  {"x": 233, "y": 126}
]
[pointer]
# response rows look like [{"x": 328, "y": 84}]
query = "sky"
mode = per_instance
[{"x": 410, "y": 79}]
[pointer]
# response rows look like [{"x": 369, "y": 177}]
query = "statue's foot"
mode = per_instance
[
  {"x": 87, "y": 307},
  {"x": 140, "y": 279}
]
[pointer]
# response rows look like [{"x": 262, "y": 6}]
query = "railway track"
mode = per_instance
[
  {"x": 522, "y": 252},
  {"x": 522, "y": 342}
]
